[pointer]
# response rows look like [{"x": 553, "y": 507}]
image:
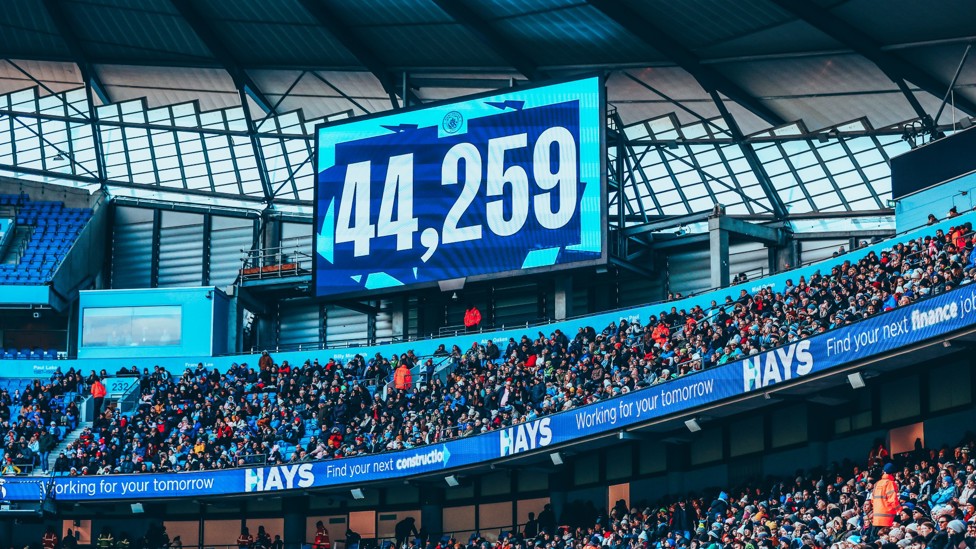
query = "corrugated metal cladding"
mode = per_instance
[
  {"x": 345, "y": 326},
  {"x": 297, "y": 235},
  {"x": 228, "y": 236},
  {"x": 384, "y": 321},
  {"x": 515, "y": 305},
  {"x": 634, "y": 289},
  {"x": 816, "y": 250},
  {"x": 132, "y": 238},
  {"x": 580, "y": 300},
  {"x": 690, "y": 271},
  {"x": 412, "y": 321},
  {"x": 751, "y": 258},
  {"x": 299, "y": 323},
  {"x": 180, "y": 249}
]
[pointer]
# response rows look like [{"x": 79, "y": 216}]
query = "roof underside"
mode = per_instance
[{"x": 809, "y": 65}]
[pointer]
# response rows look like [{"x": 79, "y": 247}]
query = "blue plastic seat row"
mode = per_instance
[{"x": 30, "y": 354}]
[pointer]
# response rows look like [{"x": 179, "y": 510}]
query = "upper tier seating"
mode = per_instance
[
  {"x": 54, "y": 229},
  {"x": 272, "y": 413}
]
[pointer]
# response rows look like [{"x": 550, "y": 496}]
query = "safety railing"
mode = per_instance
[
  {"x": 461, "y": 329},
  {"x": 279, "y": 262}
]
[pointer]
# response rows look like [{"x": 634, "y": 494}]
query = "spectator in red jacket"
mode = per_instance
[
  {"x": 321, "y": 537},
  {"x": 472, "y": 318}
]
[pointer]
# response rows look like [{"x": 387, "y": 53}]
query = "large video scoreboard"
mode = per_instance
[{"x": 498, "y": 184}]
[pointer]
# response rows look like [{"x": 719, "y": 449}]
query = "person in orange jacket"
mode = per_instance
[
  {"x": 402, "y": 378},
  {"x": 472, "y": 318},
  {"x": 98, "y": 393},
  {"x": 884, "y": 501},
  {"x": 661, "y": 333}
]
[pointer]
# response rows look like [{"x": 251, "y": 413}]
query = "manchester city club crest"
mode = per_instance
[{"x": 452, "y": 122}]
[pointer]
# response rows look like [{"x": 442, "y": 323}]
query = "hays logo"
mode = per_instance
[
  {"x": 527, "y": 436},
  {"x": 284, "y": 477},
  {"x": 777, "y": 365},
  {"x": 430, "y": 457}
]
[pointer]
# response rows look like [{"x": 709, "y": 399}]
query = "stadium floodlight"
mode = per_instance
[
  {"x": 137, "y": 508},
  {"x": 856, "y": 380},
  {"x": 693, "y": 425},
  {"x": 452, "y": 481},
  {"x": 557, "y": 458},
  {"x": 357, "y": 493}
]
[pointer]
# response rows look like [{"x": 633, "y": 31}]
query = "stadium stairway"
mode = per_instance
[{"x": 68, "y": 439}]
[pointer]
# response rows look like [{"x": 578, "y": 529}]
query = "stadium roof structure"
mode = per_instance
[{"x": 773, "y": 108}]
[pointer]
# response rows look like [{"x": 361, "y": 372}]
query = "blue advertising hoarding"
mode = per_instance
[
  {"x": 500, "y": 183},
  {"x": 895, "y": 329}
]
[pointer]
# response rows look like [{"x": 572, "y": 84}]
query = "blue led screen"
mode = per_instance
[{"x": 478, "y": 187}]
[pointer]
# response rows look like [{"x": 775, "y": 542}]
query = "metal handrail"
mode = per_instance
[{"x": 277, "y": 262}]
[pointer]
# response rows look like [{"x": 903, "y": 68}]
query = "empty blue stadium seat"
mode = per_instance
[{"x": 55, "y": 228}]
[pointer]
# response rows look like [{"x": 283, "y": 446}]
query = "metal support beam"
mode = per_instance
[
  {"x": 952, "y": 84},
  {"x": 269, "y": 194},
  {"x": 840, "y": 235},
  {"x": 359, "y": 307},
  {"x": 477, "y": 26},
  {"x": 667, "y": 242},
  {"x": 765, "y": 183},
  {"x": 96, "y": 138},
  {"x": 895, "y": 67},
  {"x": 718, "y": 255},
  {"x": 92, "y": 180},
  {"x": 747, "y": 231},
  {"x": 708, "y": 77},
  {"x": 202, "y": 28},
  {"x": 58, "y": 14},
  {"x": 666, "y": 223},
  {"x": 636, "y": 269},
  {"x": 147, "y": 126},
  {"x": 340, "y": 29}
]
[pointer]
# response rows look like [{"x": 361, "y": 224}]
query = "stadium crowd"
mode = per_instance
[
  {"x": 920, "y": 500},
  {"x": 276, "y": 413},
  {"x": 923, "y": 499},
  {"x": 34, "y": 420}
]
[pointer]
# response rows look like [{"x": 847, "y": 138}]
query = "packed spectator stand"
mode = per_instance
[
  {"x": 831, "y": 506},
  {"x": 934, "y": 493},
  {"x": 35, "y": 417},
  {"x": 272, "y": 413}
]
